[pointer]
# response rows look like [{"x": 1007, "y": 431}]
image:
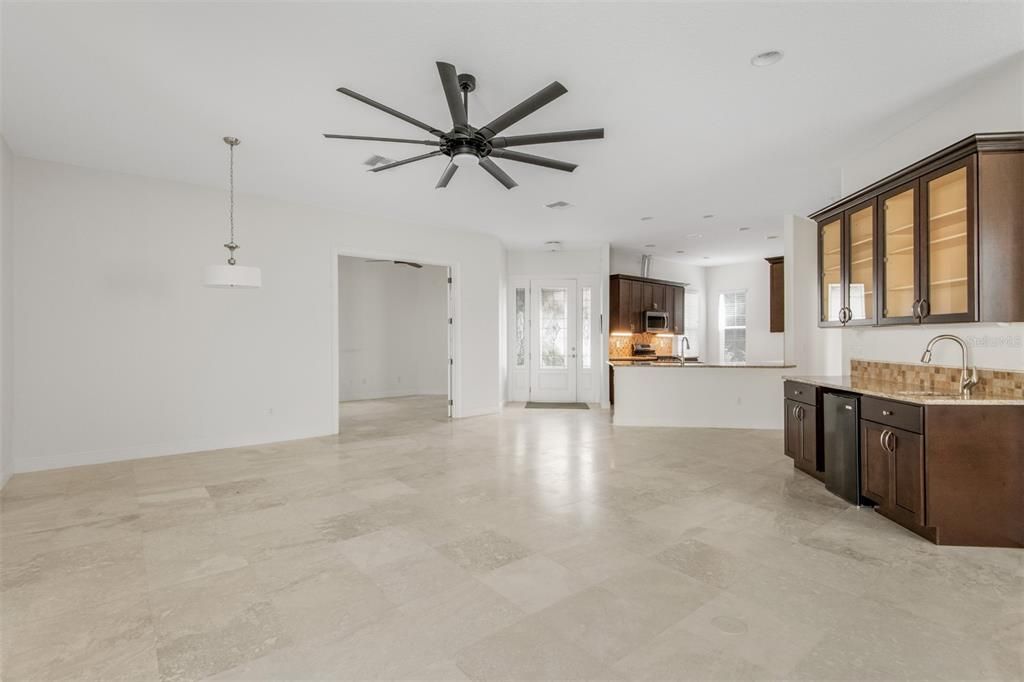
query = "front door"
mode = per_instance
[{"x": 553, "y": 342}]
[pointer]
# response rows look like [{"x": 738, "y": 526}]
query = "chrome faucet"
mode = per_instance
[
  {"x": 686, "y": 345},
  {"x": 967, "y": 382}
]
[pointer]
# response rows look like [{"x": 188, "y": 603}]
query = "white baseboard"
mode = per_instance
[{"x": 85, "y": 458}]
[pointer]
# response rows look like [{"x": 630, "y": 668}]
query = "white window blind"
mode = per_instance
[{"x": 732, "y": 325}]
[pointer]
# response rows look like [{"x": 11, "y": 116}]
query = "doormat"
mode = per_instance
[{"x": 557, "y": 406}]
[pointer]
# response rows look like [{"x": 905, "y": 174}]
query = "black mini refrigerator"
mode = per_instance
[{"x": 842, "y": 446}]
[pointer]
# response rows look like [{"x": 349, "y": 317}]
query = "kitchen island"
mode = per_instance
[{"x": 716, "y": 395}]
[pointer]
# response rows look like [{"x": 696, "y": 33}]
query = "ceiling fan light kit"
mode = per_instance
[
  {"x": 466, "y": 145},
  {"x": 232, "y": 275}
]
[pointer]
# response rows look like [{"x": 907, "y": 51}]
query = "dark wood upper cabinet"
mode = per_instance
[
  {"x": 940, "y": 241},
  {"x": 631, "y": 296},
  {"x": 846, "y": 263},
  {"x": 777, "y": 294}
]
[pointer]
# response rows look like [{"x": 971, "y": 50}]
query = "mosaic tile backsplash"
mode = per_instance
[
  {"x": 992, "y": 383},
  {"x": 622, "y": 346}
]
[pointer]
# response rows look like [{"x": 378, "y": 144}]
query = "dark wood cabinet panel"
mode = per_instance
[
  {"x": 630, "y": 296},
  {"x": 791, "y": 433},
  {"x": 874, "y": 463},
  {"x": 908, "y": 475},
  {"x": 801, "y": 436},
  {"x": 636, "y": 306},
  {"x": 946, "y": 238},
  {"x": 776, "y": 294},
  {"x": 678, "y": 310},
  {"x": 892, "y": 472}
]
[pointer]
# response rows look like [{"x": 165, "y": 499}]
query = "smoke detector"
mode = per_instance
[{"x": 553, "y": 246}]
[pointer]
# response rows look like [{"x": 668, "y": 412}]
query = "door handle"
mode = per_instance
[
  {"x": 915, "y": 309},
  {"x": 925, "y": 308},
  {"x": 890, "y": 442},
  {"x": 881, "y": 440}
]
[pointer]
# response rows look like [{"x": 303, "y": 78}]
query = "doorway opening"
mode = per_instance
[
  {"x": 395, "y": 345},
  {"x": 555, "y": 340}
]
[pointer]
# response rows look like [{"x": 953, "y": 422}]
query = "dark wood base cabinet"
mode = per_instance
[
  {"x": 953, "y": 474},
  {"x": 892, "y": 474},
  {"x": 974, "y": 474},
  {"x": 803, "y": 431}
]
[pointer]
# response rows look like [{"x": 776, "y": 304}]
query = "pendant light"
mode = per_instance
[{"x": 231, "y": 275}]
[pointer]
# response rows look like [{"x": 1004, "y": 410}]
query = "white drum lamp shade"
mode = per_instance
[{"x": 232, "y": 277}]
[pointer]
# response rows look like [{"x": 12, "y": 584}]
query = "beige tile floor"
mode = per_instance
[{"x": 530, "y": 545}]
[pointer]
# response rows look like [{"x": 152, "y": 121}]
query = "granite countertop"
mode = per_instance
[
  {"x": 698, "y": 365},
  {"x": 902, "y": 392}
]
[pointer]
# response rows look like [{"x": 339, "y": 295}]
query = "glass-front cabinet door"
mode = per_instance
[
  {"x": 859, "y": 259},
  {"x": 830, "y": 259},
  {"x": 898, "y": 244},
  {"x": 947, "y": 245}
]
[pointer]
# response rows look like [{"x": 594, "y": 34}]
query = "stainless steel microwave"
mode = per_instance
[{"x": 655, "y": 321}]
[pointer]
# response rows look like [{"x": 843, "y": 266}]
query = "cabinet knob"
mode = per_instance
[{"x": 887, "y": 413}]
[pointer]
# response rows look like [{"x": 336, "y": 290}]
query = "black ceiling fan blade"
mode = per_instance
[
  {"x": 446, "y": 176},
  {"x": 388, "y": 110},
  {"x": 409, "y": 263},
  {"x": 545, "y": 138},
  {"x": 499, "y": 175},
  {"x": 532, "y": 159},
  {"x": 523, "y": 109},
  {"x": 453, "y": 93},
  {"x": 404, "y": 161},
  {"x": 432, "y": 143}
]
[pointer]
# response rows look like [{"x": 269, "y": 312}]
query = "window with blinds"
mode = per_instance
[{"x": 732, "y": 325}]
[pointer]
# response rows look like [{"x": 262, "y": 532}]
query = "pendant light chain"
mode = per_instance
[{"x": 232, "y": 142}]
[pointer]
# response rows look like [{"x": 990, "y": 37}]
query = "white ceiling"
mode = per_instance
[{"x": 692, "y": 127}]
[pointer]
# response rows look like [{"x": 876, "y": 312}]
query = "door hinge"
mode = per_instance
[
  {"x": 451, "y": 361},
  {"x": 451, "y": 402},
  {"x": 449, "y": 280},
  {"x": 450, "y": 320}
]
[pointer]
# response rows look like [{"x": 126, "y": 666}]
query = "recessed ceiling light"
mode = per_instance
[
  {"x": 707, "y": 257},
  {"x": 772, "y": 236},
  {"x": 680, "y": 251},
  {"x": 647, "y": 217},
  {"x": 708, "y": 215},
  {"x": 695, "y": 235},
  {"x": 744, "y": 229},
  {"x": 767, "y": 58},
  {"x": 649, "y": 246}
]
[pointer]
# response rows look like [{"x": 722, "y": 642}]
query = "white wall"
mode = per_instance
[
  {"x": 121, "y": 352},
  {"x": 992, "y": 102},
  {"x": 590, "y": 263},
  {"x": 392, "y": 330},
  {"x": 754, "y": 277},
  {"x": 6, "y": 314}
]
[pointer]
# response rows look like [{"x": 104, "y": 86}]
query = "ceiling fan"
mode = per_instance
[
  {"x": 394, "y": 262},
  {"x": 465, "y": 144}
]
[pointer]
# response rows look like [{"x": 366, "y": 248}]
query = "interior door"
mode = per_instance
[{"x": 553, "y": 342}]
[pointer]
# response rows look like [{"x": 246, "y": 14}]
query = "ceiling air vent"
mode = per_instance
[
  {"x": 559, "y": 205},
  {"x": 377, "y": 160}
]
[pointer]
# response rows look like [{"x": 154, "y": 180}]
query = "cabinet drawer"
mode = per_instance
[
  {"x": 804, "y": 393},
  {"x": 892, "y": 413}
]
